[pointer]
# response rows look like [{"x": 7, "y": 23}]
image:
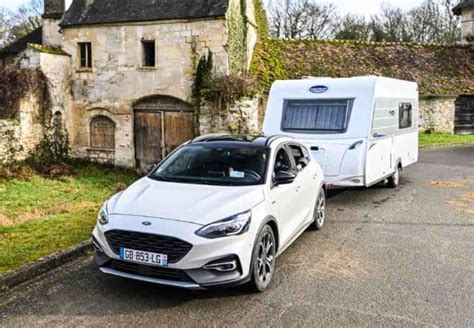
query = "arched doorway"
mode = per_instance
[{"x": 162, "y": 123}]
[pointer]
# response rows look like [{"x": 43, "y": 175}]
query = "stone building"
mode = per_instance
[
  {"x": 465, "y": 9},
  {"x": 128, "y": 69}
]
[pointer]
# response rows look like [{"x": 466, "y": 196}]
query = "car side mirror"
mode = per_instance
[
  {"x": 150, "y": 168},
  {"x": 284, "y": 177}
]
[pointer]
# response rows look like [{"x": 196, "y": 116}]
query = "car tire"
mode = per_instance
[
  {"x": 394, "y": 180},
  {"x": 319, "y": 213},
  {"x": 263, "y": 260}
]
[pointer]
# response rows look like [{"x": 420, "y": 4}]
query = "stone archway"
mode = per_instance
[{"x": 161, "y": 123}]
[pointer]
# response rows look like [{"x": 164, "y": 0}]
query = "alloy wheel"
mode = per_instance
[
  {"x": 320, "y": 212},
  {"x": 266, "y": 258}
]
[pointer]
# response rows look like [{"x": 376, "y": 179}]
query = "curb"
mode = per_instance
[
  {"x": 427, "y": 146},
  {"x": 29, "y": 271}
]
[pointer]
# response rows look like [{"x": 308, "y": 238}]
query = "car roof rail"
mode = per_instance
[
  {"x": 210, "y": 136},
  {"x": 276, "y": 137}
]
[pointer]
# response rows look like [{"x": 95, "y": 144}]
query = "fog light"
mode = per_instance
[
  {"x": 222, "y": 266},
  {"x": 226, "y": 264}
]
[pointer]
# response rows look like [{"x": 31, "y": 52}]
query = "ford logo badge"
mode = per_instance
[
  {"x": 319, "y": 89},
  {"x": 146, "y": 223}
]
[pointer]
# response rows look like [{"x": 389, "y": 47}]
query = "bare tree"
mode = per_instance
[
  {"x": 353, "y": 27},
  {"x": 4, "y": 26},
  {"x": 301, "y": 19},
  {"x": 390, "y": 25},
  {"x": 430, "y": 22},
  {"x": 26, "y": 19}
]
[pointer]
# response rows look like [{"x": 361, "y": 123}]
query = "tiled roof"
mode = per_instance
[{"x": 87, "y": 12}]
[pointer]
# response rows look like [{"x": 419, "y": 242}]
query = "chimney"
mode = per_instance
[
  {"x": 54, "y": 9},
  {"x": 53, "y": 13}
]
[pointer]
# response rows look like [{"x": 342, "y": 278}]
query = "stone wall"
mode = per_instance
[
  {"x": 101, "y": 156},
  {"x": 437, "y": 114},
  {"x": 467, "y": 25},
  {"x": 19, "y": 137},
  {"x": 118, "y": 79},
  {"x": 240, "y": 118}
]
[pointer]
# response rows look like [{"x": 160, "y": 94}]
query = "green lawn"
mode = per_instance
[
  {"x": 444, "y": 139},
  {"x": 40, "y": 216}
]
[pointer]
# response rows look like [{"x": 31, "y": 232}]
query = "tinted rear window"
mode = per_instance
[{"x": 316, "y": 116}]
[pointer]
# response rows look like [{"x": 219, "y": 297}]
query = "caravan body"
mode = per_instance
[{"x": 360, "y": 129}]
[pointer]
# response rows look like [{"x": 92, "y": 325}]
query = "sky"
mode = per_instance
[{"x": 361, "y": 7}]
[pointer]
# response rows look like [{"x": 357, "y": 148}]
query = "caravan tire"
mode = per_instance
[{"x": 394, "y": 180}]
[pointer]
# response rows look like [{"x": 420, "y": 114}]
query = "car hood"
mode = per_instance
[{"x": 194, "y": 203}]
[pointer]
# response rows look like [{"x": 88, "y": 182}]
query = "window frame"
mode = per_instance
[
  {"x": 85, "y": 55},
  {"x": 349, "y": 108},
  {"x": 145, "y": 57},
  {"x": 101, "y": 147},
  {"x": 289, "y": 157},
  {"x": 401, "y": 110}
]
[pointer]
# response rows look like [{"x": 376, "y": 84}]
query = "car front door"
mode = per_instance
[
  {"x": 306, "y": 183},
  {"x": 284, "y": 197}
]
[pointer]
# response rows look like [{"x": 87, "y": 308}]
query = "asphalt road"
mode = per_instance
[{"x": 401, "y": 257}]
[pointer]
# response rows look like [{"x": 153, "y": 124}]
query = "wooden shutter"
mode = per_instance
[{"x": 102, "y": 133}]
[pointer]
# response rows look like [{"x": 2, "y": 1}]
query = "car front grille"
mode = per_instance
[
  {"x": 175, "y": 248},
  {"x": 149, "y": 271}
]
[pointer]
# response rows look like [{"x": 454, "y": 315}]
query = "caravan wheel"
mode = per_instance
[{"x": 394, "y": 180}]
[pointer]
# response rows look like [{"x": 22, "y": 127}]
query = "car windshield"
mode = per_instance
[{"x": 234, "y": 165}]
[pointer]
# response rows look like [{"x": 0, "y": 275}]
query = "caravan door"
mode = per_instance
[
  {"x": 379, "y": 158},
  {"x": 380, "y": 142}
]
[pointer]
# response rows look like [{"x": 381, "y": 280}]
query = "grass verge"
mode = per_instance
[
  {"x": 444, "y": 139},
  {"x": 40, "y": 216}
]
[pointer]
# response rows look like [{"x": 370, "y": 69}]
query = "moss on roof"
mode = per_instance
[
  {"x": 48, "y": 50},
  {"x": 438, "y": 69}
]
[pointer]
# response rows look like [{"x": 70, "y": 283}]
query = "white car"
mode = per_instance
[{"x": 216, "y": 212}]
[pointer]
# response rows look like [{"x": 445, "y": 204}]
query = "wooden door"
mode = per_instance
[
  {"x": 464, "y": 115},
  {"x": 178, "y": 129},
  {"x": 148, "y": 138}
]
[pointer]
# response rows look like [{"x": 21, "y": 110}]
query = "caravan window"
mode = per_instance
[
  {"x": 320, "y": 115},
  {"x": 405, "y": 118}
]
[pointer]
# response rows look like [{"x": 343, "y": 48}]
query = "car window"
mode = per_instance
[
  {"x": 301, "y": 158},
  {"x": 296, "y": 152},
  {"x": 214, "y": 164},
  {"x": 282, "y": 161}
]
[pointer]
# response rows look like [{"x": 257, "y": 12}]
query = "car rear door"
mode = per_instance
[{"x": 306, "y": 183}]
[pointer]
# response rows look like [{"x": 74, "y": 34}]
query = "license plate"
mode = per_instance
[{"x": 143, "y": 257}]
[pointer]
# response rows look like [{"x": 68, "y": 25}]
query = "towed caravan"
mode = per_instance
[{"x": 361, "y": 130}]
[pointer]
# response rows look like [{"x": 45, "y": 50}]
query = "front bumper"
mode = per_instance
[{"x": 203, "y": 251}]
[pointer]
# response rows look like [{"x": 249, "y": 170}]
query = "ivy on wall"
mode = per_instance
[
  {"x": 16, "y": 84},
  {"x": 266, "y": 65},
  {"x": 237, "y": 35}
]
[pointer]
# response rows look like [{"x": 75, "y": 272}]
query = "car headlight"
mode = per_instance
[
  {"x": 103, "y": 217},
  {"x": 231, "y": 226}
]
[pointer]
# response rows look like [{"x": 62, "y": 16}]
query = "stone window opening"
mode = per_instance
[
  {"x": 149, "y": 53},
  {"x": 85, "y": 52},
  {"x": 102, "y": 133},
  {"x": 58, "y": 126}
]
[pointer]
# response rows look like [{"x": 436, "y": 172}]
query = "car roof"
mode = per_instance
[{"x": 243, "y": 140}]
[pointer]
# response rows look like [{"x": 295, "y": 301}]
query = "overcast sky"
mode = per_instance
[{"x": 362, "y": 7}]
